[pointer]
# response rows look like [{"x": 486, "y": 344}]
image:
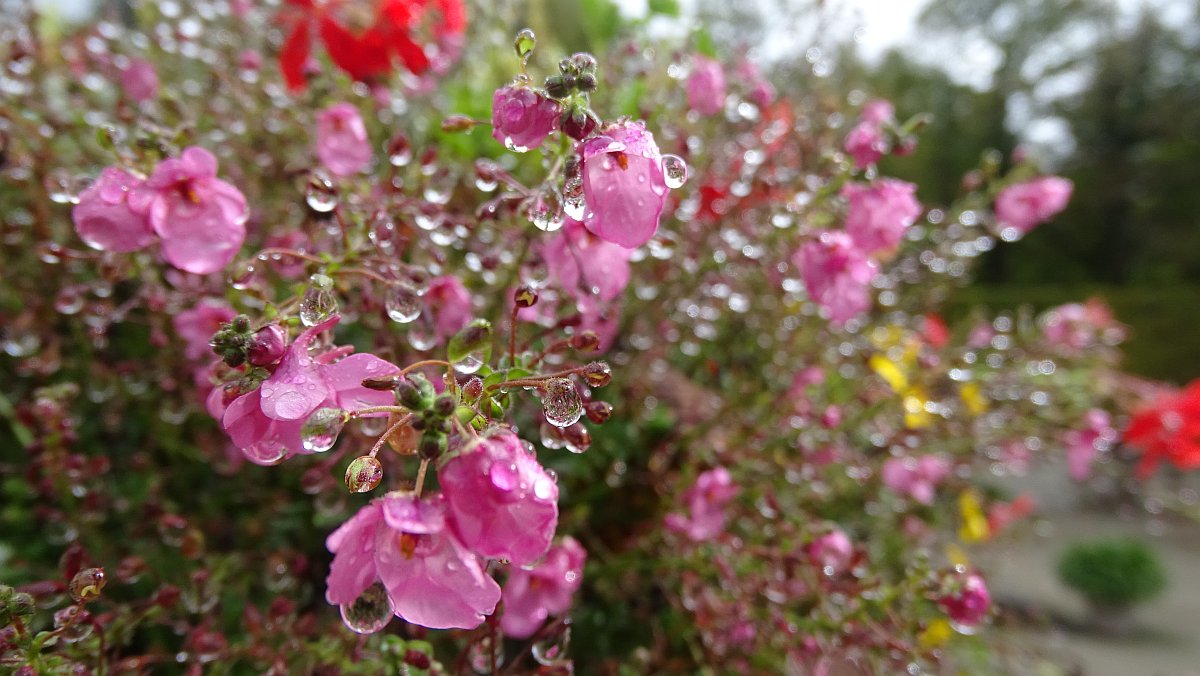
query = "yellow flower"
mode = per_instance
[
  {"x": 890, "y": 372},
  {"x": 936, "y": 634},
  {"x": 972, "y": 396},
  {"x": 974, "y": 523},
  {"x": 915, "y": 415}
]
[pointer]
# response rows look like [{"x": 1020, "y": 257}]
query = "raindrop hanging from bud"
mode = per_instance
[
  {"x": 675, "y": 171},
  {"x": 552, "y": 650},
  {"x": 560, "y": 402},
  {"x": 320, "y": 193},
  {"x": 370, "y": 612},
  {"x": 546, "y": 212},
  {"x": 319, "y": 302},
  {"x": 524, "y": 43},
  {"x": 321, "y": 430},
  {"x": 363, "y": 474},
  {"x": 403, "y": 304},
  {"x": 576, "y": 438},
  {"x": 87, "y": 584},
  {"x": 399, "y": 151}
]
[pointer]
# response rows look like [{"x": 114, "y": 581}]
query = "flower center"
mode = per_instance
[{"x": 408, "y": 544}]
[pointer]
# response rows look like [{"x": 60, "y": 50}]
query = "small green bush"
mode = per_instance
[{"x": 1113, "y": 573}]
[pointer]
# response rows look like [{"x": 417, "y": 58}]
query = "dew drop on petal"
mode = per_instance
[
  {"x": 675, "y": 171},
  {"x": 320, "y": 432},
  {"x": 370, "y": 612}
]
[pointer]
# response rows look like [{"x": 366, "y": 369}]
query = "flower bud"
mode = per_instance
[
  {"x": 444, "y": 405},
  {"x": 557, "y": 87},
  {"x": 473, "y": 389},
  {"x": 382, "y": 383},
  {"x": 432, "y": 445},
  {"x": 416, "y": 658},
  {"x": 586, "y": 82},
  {"x": 598, "y": 411},
  {"x": 87, "y": 584},
  {"x": 525, "y": 296},
  {"x": 583, "y": 63},
  {"x": 267, "y": 345},
  {"x": 579, "y": 122},
  {"x": 408, "y": 396},
  {"x": 21, "y": 605},
  {"x": 597, "y": 374},
  {"x": 585, "y": 341},
  {"x": 240, "y": 324},
  {"x": 456, "y": 123}
]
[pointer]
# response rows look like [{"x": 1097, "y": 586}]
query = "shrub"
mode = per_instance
[{"x": 1113, "y": 573}]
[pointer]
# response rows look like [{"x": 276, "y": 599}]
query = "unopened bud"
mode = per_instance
[
  {"x": 473, "y": 389},
  {"x": 456, "y": 123},
  {"x": 556, "y": 87},
  {"x": 409, "y": 396},
  {"x": 585, "y": 341},
  {"x": 525, "y": 296},
  {"x": 597, "y": 374},
  {"x": 598, "y": 411},
  {"x": 444, "y": 405},
  {"x": 267, "y": 345},
  {"x": 87, "y": 584}
]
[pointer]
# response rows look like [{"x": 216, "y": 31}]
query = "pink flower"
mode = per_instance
[
  {"x": 623, "y": 184},
  {"x": 762, "y": 92},
  {"x": 450, "y": 303},
  {"x": 531, "y": 596},
  {"x": 832, "y": 551},
  {"x": 879, "y": 213},
  {"x": 200, "y": 218},
  {"x": 139, "y": 80},
  {"x": 706, "y": 502},
  {"x": 402, "y": 541},
  {"x": 1025, "y": 205},
  {"x": 878, "y": 111},
  {"x": 502, "y": 503},
  {"x": 1078, "y": 326},
  {"x": 522, "y": 118},
  {"x": 966, "y": 600},
  {"x": 197, "y": 326},
  {"x": 837, "y": 275},
  {"x": 1083, "y": 444},
  {"x": 706, "y": 86},
  {"x": 915, "y": 477},
  {"x": 585, "y": 265},
  {"x": 103, "y": 218},
  {"x": 265, "y": 422},
  {"x": 342, "y": 143}
]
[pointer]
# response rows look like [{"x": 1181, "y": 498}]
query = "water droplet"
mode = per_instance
[
  {"x": 265, "y": 453},
  {"x": 320, "y": 193},
  {"x": 319, "y": 302},
  {"x": 551, "y": 437},
  {"x": 422, "y": 334},
  {"x": 87, "y": 584},
  {"x": 675, "y": 171},
  {"x": 469, "y": 364},
  {"x": 320, "y": 432},
  {"x": 524, "y": 44},
  {"x": 546, "y": 212},
  {"x": 514, "y": 146},
  {"x": 552, "y": 651},
  {"x": 370, "y": 612},
  {"x": 560, "y": 402},
  {"x": 245, "y": 277},
  {"x": 400, "y": 151},
  {"x": 62, "y": 187},
  {"x": 485, "y": 652},
  {"x": 363, "y": 474},
  {"x": 403, "y": 303},
  {"x": 74, "y": 623}
]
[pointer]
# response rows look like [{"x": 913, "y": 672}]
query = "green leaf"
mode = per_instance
[
  {"x": 475, "y": 339},
  {"x": 665, "y": 7}
]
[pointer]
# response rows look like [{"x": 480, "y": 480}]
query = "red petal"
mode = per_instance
[
  {"x": 410, "y": 53},
  {"x": 361, "y": 56},
  {"x": 293, "y": 56}
]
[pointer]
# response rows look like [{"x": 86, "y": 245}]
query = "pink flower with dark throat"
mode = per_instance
[
  {"x": 623, "y": 184},
  {"x": 403, "y": 541},
  {"x": 879, "y": 213},
  {"x": 837, "y": 275},
  {"x": 103, "y": 217},
  {"x": 502, "y": 503},
  {"x": 1026, "y": 205},
  {"x": 532, "y": 596},
  {"x": 200, "y": 218},
  {"x": 706, "y": 86},
  {"x": 522, "y": 118},
  {"x": 585, "y": 265},
  {"x": 342, "y": 143}
]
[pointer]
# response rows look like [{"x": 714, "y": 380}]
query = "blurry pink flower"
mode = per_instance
[
  {"x": 502, "y": 503},
  {"x": 1025, "y": 205},
  {"x": 878, "y": 111},
  {"x": 342, "y": 143},
  {"x": 249, "y": 59},
  {"x": 831, "y": 550},
  {"x": 139, "y": 80},
  {"x": 706, "y": 86},
  {"x": 966, "y": 600},
  {"x": 265, "y": 422},
  {"x": 761, "y": 91},
  {"x": 879, "y": 213},
  {"x": 603, "y": 319},
  {"x": 522, "y": 118},
  {"x": 197, "y": 326},
  {"x": 915, "y": 477},
  {"x": 1077, "y": 326},
  {"x": 402, "y": 541},
  {"x": 200, "y": 218},
  {"x": 531, "y": 596},
  {"x": 623, "y": 184},
  {"x": 866, "y": 143},
  {"x": 1083, "y": 444},
  {"x": 103, "y": 218},
  {"x": 586, "y": 265},
  {"x": 706, "y": 501},
  {"x": 837, "y": 275},
  {"x": 450, "y": 303}
]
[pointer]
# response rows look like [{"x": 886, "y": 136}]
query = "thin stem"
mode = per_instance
[
  {"x": 552, "y": 347},
  {"x": 387, "y": 435},
  {"x": 427, "y": 362},
  {"x": 535, "y": 381},
  {"x": 289, "y": 252},
  {"x": 363, "y": 272},
  {"x": 378, "y": 409},
  {"x": 512, "y": 335},
  {"x": 421, "y": 477}
]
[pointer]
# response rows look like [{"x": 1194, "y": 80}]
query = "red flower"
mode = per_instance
[
  {"x": 362, "y": 36},
  {"x": 1169, "y": 430}
]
